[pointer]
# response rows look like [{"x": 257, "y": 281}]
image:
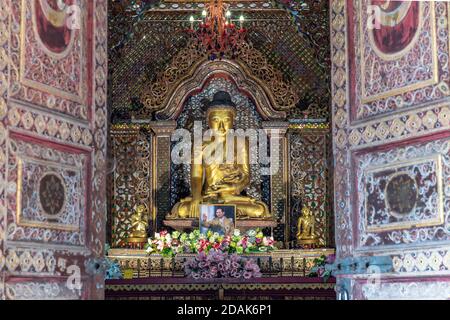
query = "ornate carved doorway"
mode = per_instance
[
  {"x": 52, "y": 148},
  {"x": 391, "y": 147}
]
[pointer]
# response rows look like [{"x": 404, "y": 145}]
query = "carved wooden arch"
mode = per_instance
[
  {"x": 190, "y": 68},
  {"x": 229, "y": 70}
]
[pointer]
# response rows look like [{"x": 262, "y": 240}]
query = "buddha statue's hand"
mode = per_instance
[
  {"x": 195, "y": 211},
  {"x": 224, "y": 188}
]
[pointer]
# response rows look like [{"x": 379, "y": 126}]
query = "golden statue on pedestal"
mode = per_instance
[
  {"x": 221, "y": 182},
  {"x": 306, "y": 233},
  {"x": 139, "y": 225}
]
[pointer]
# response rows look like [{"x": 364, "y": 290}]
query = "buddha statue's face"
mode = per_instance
[
  {"x": 140, "y": 210},
  {"x": 220, "y": 121},
  {"x": 306, "y": 212}
]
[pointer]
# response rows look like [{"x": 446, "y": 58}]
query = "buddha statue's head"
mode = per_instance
[
  {"x": 306, "y": 212},
  {"x": 140, "y": 210},
  {"x": 221, "y": 113}
]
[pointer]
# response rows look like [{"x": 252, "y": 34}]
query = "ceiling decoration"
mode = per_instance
[
  {"x": 217, "y": 30},
  {"x": 146, "y": 35}
]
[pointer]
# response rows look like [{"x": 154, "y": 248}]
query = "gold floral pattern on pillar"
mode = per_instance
[
  {"x": 309, "y": 180},
  {"x": 131, "y": 182}
]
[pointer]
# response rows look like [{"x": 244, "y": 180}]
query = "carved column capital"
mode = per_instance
[
  {"x": 281, "y": 126},
  {"x": 163, "y": 128}
]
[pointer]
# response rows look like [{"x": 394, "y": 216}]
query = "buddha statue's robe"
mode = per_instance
[{"x": 221, "y": 182}]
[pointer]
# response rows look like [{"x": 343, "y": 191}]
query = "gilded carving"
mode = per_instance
[
  {"x": 224, "y": 183},
  {"x": 187, "y": 61},
  {"x": 132, "y": 185},
  {"x": 306, "y": 228},
  {"x": 309, "y": 176}
]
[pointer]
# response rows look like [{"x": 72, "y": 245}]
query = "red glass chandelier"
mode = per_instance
[{"x": 217, "y": 31}]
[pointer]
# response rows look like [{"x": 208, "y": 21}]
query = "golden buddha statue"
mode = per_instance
[
  {"x": 306, "y": 233},
  {"x": 139, "y": 225},
  {"x": 221, "y": 181}
]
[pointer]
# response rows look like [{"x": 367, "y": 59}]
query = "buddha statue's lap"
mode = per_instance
[
  {"x": 245, "y": 207},
  {"x": 222, "y": 183}
]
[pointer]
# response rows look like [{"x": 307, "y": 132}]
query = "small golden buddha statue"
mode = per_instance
[
  {"x": 306, "y": 233},
  {"x": 139, "y": 225},
  {"x": 221, "y": 182}
]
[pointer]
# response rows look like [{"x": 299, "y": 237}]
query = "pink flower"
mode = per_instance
[
  {"x": 203, "y": 244},
  {"x": 218, "y": 264},
  {"x": 320, "y": 272},
  {"x": 330, "y": 259}
]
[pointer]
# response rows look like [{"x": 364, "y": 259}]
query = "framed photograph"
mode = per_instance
[{"x": 220, "y": 218}]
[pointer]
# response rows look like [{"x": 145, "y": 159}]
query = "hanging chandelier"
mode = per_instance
[{"x": 217, "y": 30}]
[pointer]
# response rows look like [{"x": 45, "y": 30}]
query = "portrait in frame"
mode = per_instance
[{"x": 220, "y": 218}]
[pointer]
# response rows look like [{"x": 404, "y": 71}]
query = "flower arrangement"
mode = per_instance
[
  {"x": 218, "y": 264},
  {"x": 319, "y": 267},
  {"x": 169, "y": 244}
]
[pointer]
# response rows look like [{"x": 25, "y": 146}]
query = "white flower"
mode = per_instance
[
  {"x": 251, "y": 233},
  {"x": 237, "y": 232},
  {"x": 149, "y": 250}
]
